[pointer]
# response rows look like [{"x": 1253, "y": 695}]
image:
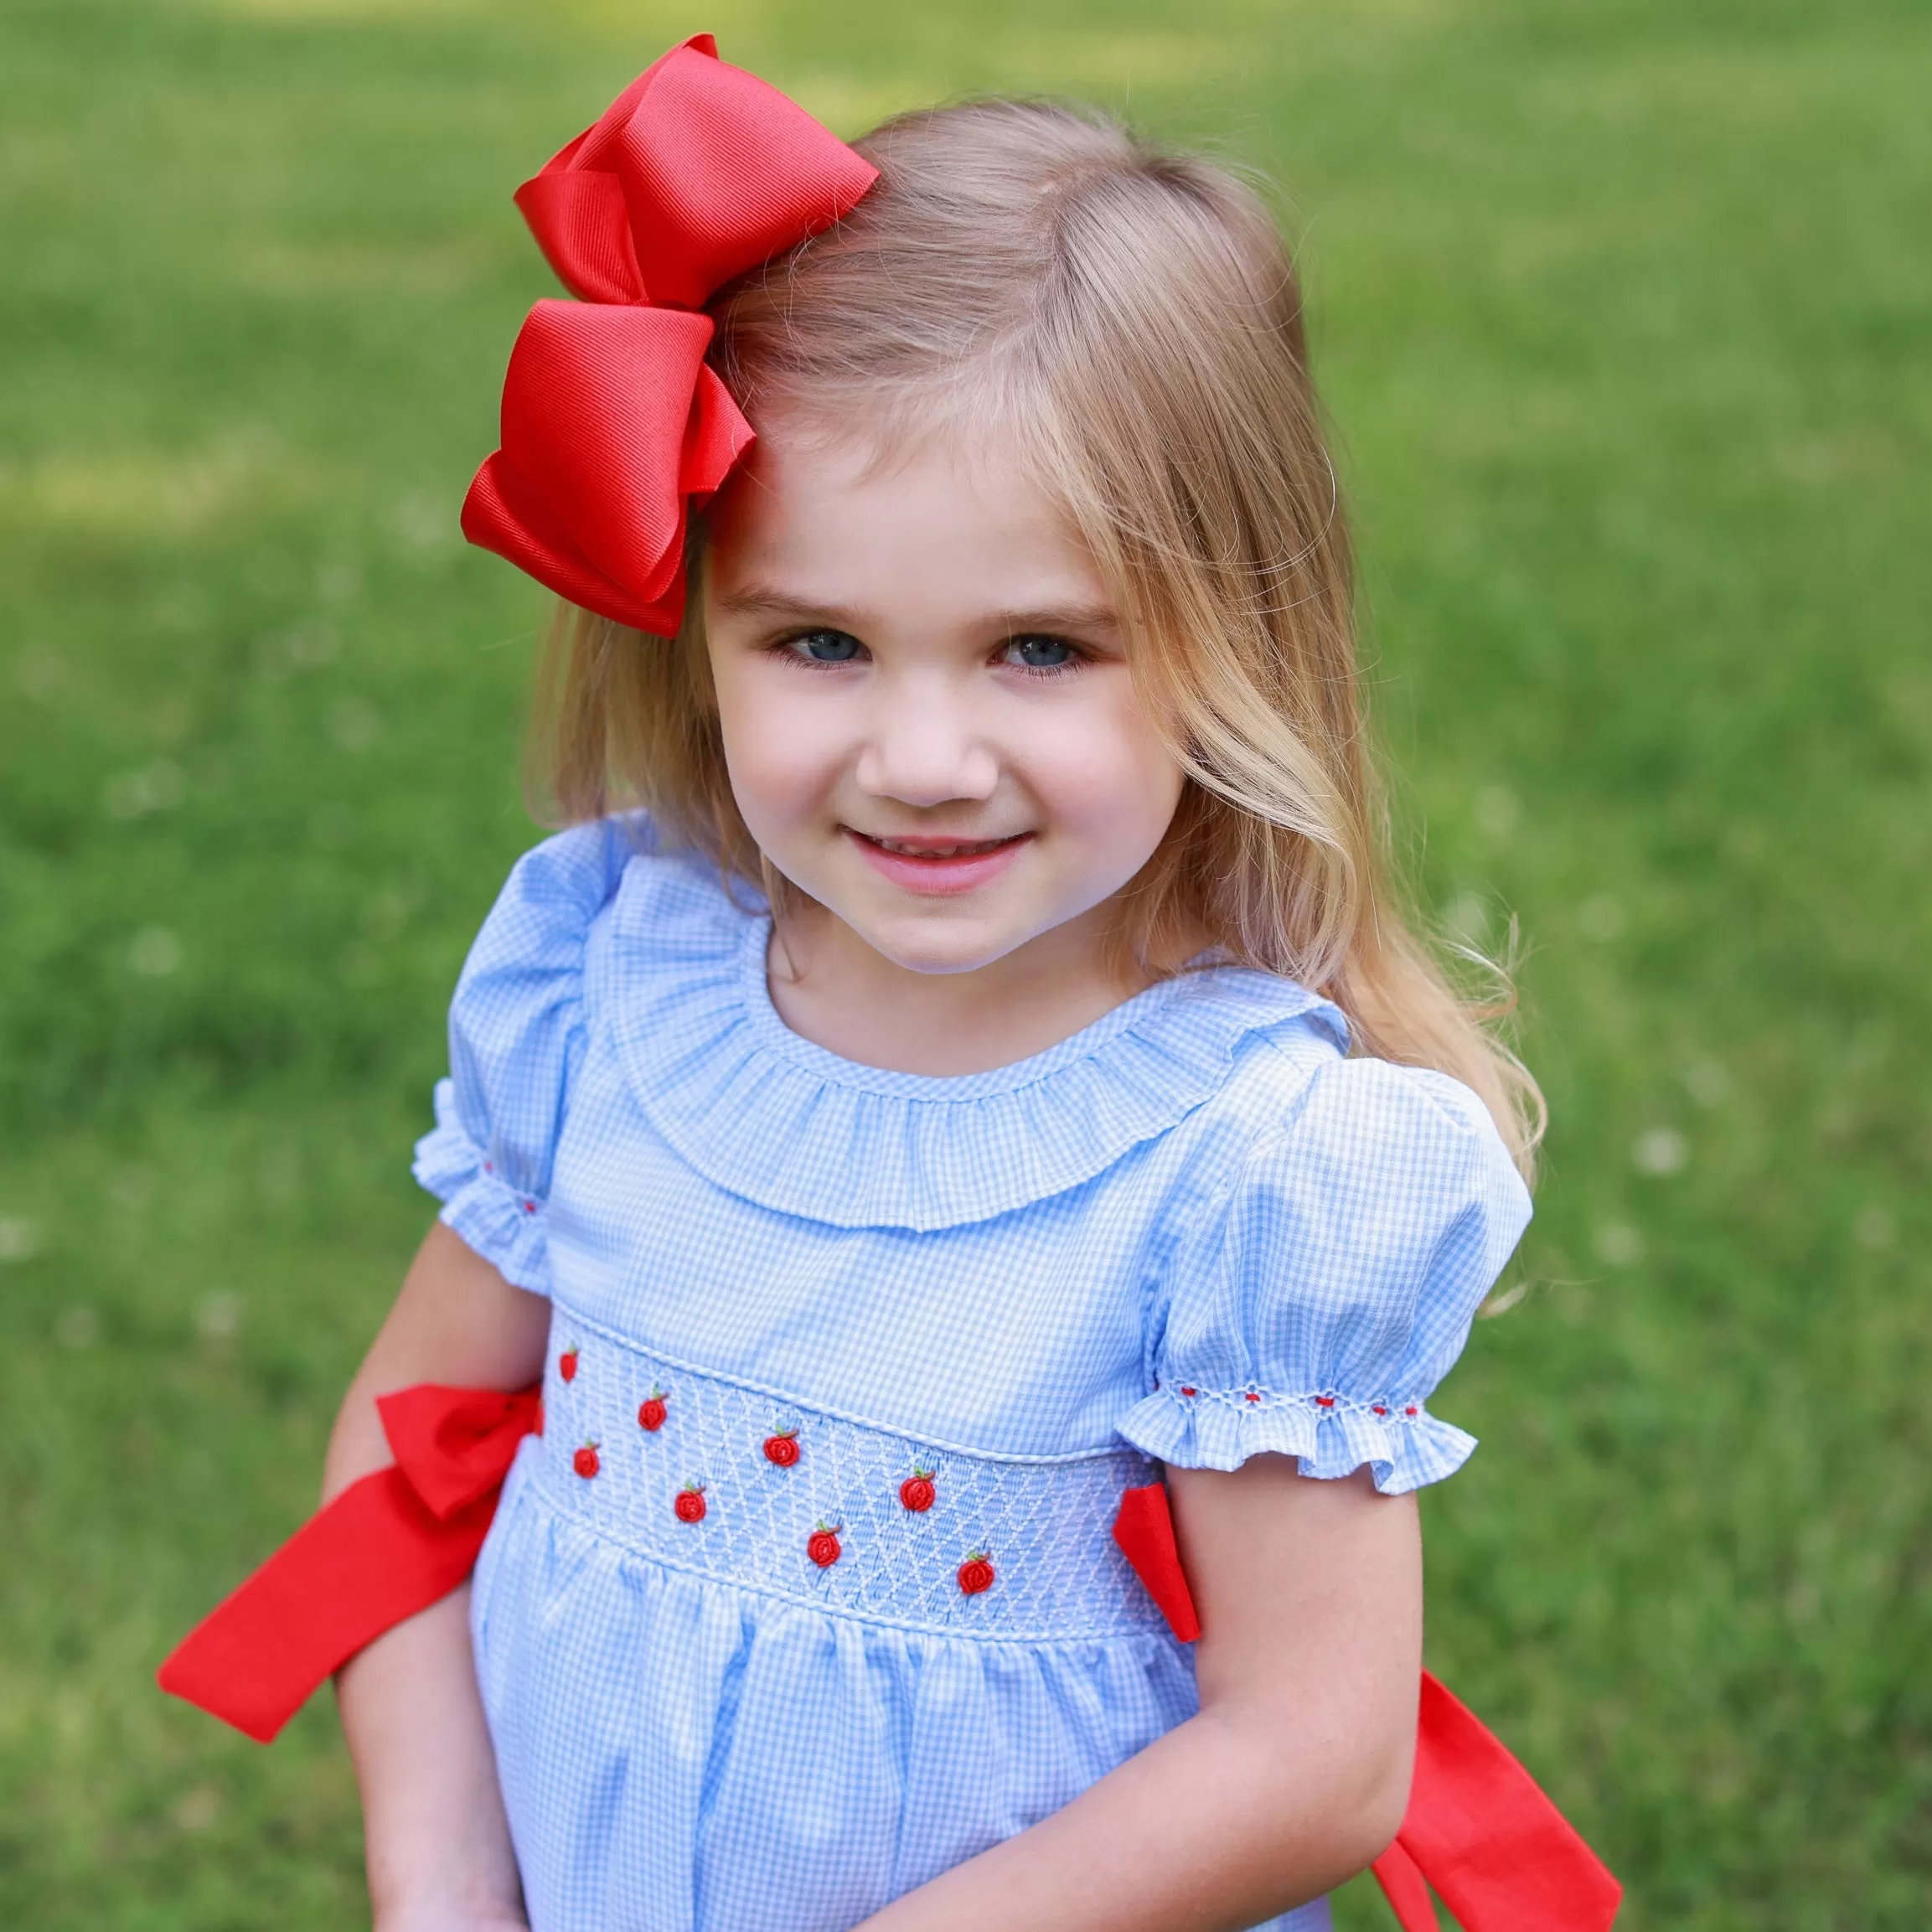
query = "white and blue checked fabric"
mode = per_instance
[{"x": 1194, "y": 1231}]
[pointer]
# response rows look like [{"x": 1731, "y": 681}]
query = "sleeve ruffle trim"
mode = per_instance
[
  {"x": 1331, "y": 1435},
  {"x": 508, "y": 1229}
]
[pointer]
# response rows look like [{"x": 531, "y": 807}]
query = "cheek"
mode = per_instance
[
  {"x": 779, "y": 756},
  {"x": 1104, "y": 775}
]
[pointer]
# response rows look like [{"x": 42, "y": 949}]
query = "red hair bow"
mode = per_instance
[{"x": 612, "y": 422}]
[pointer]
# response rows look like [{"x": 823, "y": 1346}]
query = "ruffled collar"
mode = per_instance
[{"x": 765, "y": 1113}]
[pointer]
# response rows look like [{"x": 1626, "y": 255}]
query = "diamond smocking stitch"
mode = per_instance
[{"x": 906, "y": 1519}]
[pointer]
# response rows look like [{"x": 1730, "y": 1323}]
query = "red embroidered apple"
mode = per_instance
[
  {"x": 917, "y": 1492},
  {"x": 782, "y": 1448},
  {"x": 651, "y": 1410},
  {"x": 822, "y": 1546},
  {"x": 690, "y": 1506},
  {"x": 585, "y": 1461},
  {"x": 567, "y": 1363},
  {"x": 976, "y": 1572}
]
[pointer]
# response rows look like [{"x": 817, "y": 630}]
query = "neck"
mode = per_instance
[{"x": 834, "y": 990}]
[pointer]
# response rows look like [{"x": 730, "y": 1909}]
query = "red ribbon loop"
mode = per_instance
[
  {"x": 389, "y": 1546},
  {"x": 612, "y": 423},
  {"x": 455, "y": 1445},
  {"x": 1144, "y": 1528}
]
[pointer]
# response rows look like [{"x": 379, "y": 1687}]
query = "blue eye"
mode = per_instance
[
  {"x": 827, "y": 646},
  {"x": 1036, "y": 654}
]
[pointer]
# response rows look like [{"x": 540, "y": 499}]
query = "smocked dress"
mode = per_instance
[{"x": 808, "y": 1591}]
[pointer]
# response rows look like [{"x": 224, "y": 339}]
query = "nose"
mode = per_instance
[{"x": 924, "y": 747}]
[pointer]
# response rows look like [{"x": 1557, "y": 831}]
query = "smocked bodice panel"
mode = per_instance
[{"x": 723, "y": 1478}]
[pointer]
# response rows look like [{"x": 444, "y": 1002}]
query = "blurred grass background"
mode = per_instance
[{"x": 1623, "y": 312}]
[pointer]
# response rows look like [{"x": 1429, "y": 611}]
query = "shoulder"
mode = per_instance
[
  {"x": 1361, "y": 1115},
  {"x": 1334, "y": 1178},
  {"x": 1366, "y": 1159},
  {"x": 557, "y": 889},
  {"x": 522, "y": 987},
  {"x": 615, "y": 872},
  {"x": 1298, "y": 1107}
]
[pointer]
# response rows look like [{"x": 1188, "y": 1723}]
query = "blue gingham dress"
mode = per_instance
[{"x": 808, "y": 1592}]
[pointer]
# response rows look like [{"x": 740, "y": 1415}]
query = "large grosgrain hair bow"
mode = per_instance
[{"x": 612, "y": 424}]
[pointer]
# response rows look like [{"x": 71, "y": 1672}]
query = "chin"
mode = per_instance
[{"x": 919, "y": 947}]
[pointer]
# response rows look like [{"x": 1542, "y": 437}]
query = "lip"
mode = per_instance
[{"x": 938, "y": 874}]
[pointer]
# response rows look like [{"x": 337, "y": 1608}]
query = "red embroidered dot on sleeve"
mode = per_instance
[{"x": 1325, "y": 1401}]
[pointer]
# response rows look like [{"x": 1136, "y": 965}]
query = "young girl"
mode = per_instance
[{"x": 963, "y": 1059}]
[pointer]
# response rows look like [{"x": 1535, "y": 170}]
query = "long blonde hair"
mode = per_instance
[{"x": 1131, "y": 320}]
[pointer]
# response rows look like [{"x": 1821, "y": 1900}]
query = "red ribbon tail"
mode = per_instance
[
  {"x": 1481, "y": 1831},
  {"x": 253, "y": 1661},
  {"x": 1405, "y": 1889}
]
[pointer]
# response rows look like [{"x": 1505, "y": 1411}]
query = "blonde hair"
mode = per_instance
[{"x": 1130, "y": 319}]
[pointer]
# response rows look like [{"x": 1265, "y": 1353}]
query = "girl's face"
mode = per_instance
[{"x": 926, "y": 711}]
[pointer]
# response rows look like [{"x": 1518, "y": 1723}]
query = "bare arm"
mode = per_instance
[
  {"x": 1295, "y": 1774},
  {"x": 438, "y": 1847}
]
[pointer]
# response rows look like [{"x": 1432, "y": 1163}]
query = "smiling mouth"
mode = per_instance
[
  {"x": 939, "y": 849},
  {"x": 933, "y": 869}
]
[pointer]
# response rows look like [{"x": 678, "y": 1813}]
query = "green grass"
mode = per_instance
[{"x": 1624, "y": 312}]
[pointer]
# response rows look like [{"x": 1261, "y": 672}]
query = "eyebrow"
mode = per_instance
[
  {"x": 761, "y": 600},
  {"x": 1062, "y": 618},
  {"x": 757, "y": 600}
]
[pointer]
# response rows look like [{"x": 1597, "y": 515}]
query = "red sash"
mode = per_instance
[
  {"x": 389, "y": 1546},
  {"x": 1479, "y": 1830}
]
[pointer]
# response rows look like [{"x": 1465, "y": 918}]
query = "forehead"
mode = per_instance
[{"x": 946, "y": 518}]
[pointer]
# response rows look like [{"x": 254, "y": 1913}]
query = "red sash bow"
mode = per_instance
[
  {"x": 612, "y": 422},
  {"x": 1479, "y": 1830},
  {"x": 389, "y": 1546}
]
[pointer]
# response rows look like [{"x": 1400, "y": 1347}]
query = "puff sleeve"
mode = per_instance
[
  {"x": 516, "y": 1035},
  {"x": 1335, "y": 1286}
]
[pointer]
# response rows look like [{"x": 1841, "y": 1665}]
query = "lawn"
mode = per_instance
[{"x": 1624, "y": 315}]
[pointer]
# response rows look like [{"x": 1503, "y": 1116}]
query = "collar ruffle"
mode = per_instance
[{"x": 765, "y": 1114}]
